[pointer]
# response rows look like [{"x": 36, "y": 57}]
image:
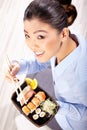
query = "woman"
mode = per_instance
[{"x": 48, "y": 36}]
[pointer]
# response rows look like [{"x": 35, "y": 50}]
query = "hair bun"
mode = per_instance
[
  {"x": 70, "y": 10},
  {"x": 71, "y": 13}
]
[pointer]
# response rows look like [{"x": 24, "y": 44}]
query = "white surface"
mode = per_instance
[{"x": 24, "y": 124}]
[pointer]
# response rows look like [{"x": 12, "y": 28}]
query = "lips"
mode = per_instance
[{"x": 39, "y": 53}]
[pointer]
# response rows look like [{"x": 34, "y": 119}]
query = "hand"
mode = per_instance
[{"x": 13, "y": 70}]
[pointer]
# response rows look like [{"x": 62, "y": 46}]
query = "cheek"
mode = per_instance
[
  {"x": 53, "y": 48},
  {"x": 52, "y": 45}
]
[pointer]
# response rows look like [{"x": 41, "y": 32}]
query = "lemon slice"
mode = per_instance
[
  {"x": 28, "y": 81},
  {"x": 33, "y": 83}
]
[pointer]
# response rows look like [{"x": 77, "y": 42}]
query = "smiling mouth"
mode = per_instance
[{"x": 39, "y": 53}]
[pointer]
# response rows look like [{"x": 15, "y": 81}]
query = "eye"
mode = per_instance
[
  {"x": 40, "y": 37},
  {"x": 27, "y": 36}
]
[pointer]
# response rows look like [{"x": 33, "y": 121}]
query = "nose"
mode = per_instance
[{"x": 33, "y": 45}]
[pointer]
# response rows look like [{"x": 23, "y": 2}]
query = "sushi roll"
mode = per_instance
[
  {"x": 35, "y": 116},
  {"x": 38, "y": 111},
  {"x": 31, "y": 106},
  {"x": 42, "y": 114},
  {"x": 26, "y": 110},
  {"x": 41, "y": 96},
  {"x": 36, "y": 101}
]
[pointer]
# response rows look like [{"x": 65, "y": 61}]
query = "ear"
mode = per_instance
[{"x": 65, "y": 33}]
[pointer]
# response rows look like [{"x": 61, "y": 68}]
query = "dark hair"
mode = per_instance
[{"x": 57, "y": 13}]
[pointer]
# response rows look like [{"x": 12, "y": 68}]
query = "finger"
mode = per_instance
[{"x": 14, "y": 70}]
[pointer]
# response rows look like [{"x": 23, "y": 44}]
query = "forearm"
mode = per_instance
[{"x": 30, "y": 67}]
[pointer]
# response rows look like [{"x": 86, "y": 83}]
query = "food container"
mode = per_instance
[{"x": 43, "y": 112}]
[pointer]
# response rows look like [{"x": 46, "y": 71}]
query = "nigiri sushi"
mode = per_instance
[
  {"x": 41, "y": 96},
  {"x": 31, "y": 106},
  {"x": 36, "y": 101},
  {"x": 26, "y": 110},
  {"x": 25, "y": 95}
]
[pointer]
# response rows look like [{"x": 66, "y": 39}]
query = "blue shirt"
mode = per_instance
[{"x": 70, "y": 85}]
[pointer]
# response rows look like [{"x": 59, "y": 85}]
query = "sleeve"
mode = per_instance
[
  {"x": 33, "y": 66},
  {"x": 72, "y": 111},
  {"x": 72, "y": 116}
]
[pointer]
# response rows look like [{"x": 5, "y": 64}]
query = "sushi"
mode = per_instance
[
  {"x": 31, "y": 106},
  {"x": 26, "y": 110},
  {"x": 38, "y": 111},
  {"x": 36, "y": 101},
  {"x": 35, "y": 116},
  {"x": 42, "y": 114},
  {"x": 29, "y": 94},
  {"x": 41, "y": 96},
  {"x": 25, "y": 95}
]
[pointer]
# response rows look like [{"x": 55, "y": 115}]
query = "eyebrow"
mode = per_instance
[
  {"x": 25, "y": 31},
  {"x": 36, "y": 31},
  {"x": 40, "y": 31}
]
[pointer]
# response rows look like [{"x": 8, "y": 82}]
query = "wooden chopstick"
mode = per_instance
[{"x": 16, "y": 80}]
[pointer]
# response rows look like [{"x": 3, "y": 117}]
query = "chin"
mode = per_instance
[{"x": 42, "y": 60}]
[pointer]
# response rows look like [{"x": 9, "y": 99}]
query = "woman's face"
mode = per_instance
[{"x": 42, "y": 39}]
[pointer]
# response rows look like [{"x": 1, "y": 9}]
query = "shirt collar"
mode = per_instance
[{"x": 72, "y": 57}]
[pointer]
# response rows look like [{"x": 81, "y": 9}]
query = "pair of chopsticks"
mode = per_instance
[{"x": 15, "y": 80}]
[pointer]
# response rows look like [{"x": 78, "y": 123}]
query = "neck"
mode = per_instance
[{"x": 66, "y": 48}]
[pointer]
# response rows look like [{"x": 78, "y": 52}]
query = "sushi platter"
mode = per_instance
[{"x": 34, "y": 103}]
